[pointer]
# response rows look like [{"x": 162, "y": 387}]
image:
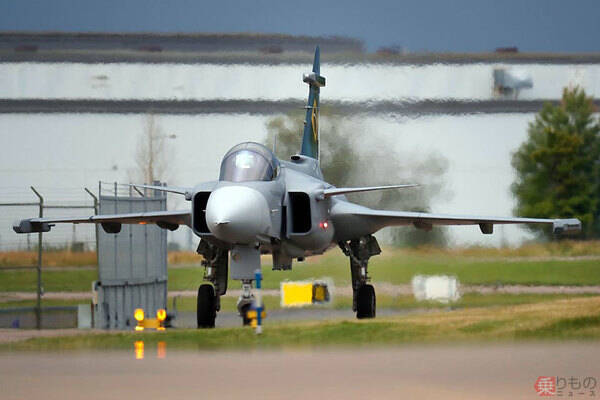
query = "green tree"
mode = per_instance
[
  {"x": 351, "y": 157},
  {"x": 558, "y": 166}
]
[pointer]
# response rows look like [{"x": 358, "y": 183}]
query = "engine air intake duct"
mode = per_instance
[{"x": 199, "y": 212}]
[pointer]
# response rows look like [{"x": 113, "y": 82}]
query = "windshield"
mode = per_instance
[{"x": 248, "y": 162}]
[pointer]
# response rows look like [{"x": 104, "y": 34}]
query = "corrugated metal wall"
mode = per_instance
[{"x": 132, "y": 265}]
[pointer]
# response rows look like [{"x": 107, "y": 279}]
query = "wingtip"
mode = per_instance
[
  {"x": 28, "y": 226},
  {"x": 566, "y": 226}
]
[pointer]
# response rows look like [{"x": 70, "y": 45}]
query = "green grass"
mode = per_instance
[
  {"x": 401, "y": 302},
  {"x": 45, "y": 303},
  {"x": 570, "y": 319},
  {"x": 69, "y": 280},
  {"x": 400, "y": 270},
  {"x": 395, "y": 268},
  {"x": 587, "y": 326}
]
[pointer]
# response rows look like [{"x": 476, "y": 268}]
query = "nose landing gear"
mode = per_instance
[
  {"x": 250, "y": 307},
  {"x": 244, "y": 303}
]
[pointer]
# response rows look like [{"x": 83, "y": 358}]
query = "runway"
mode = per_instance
[{"x": 491, "y": 371}]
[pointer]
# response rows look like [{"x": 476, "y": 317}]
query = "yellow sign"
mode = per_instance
[{"x": 296, "y": 294}]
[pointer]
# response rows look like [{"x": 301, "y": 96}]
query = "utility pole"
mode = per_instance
[{"x": 38, "y": 304}]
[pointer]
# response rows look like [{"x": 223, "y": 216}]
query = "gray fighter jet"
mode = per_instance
[{"x": 263, "y": 205}]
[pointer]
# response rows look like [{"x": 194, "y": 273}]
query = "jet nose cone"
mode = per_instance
[{"x": 237, "y": 214}]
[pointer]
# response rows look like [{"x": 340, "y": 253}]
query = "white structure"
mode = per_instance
[
  {"x": 440, "y": 288},
  {"x": 68, "y": 151}
]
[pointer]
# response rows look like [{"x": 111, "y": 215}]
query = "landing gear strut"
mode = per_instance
[
  {"x": 363, "y": 294},
  {"x": 209, "y": 295}
]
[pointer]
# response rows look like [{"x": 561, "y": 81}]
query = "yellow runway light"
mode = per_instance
[
  {"x": 138, "y": 314},
  {"x": 150, "y": 323}
]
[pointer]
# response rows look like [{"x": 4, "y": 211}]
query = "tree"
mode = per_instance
[
  {"x": 152, "y": 154},
  {"x": 350, "y": 157},
  {"x": 558, "y": 166}
]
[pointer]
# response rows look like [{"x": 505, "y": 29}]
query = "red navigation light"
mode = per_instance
[{"x": 324, "y": 225}]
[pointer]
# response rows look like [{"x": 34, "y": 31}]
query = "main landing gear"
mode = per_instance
[
  {"x": 363, "y": 294},
  {"x": 209, "y": 294},
  {"x": 206, "y": 311}
]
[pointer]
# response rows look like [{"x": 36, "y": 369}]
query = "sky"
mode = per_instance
[{"x": 422, "y": 25}]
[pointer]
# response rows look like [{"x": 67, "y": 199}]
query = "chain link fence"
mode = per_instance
[{"x": 20, "y": 203}]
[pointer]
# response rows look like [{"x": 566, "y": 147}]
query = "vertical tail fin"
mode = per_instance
[{"x": 310, "y": 138}]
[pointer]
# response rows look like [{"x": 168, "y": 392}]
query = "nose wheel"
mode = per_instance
[
  {"x": 244, "y": 314},
  {"x": 245, "y": 301},
  {"x": 206, "y": 311}
]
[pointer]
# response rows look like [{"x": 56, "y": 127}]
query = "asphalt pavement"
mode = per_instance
[{"x": 491, "y": 371}]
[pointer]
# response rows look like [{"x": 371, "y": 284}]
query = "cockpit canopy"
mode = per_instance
[{"x": 249, "y": 162}]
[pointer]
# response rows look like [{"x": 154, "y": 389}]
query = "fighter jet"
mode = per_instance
[{"x": 263, "y": 205}]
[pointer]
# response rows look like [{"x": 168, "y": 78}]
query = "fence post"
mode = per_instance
[
  {"x": 95, "y": 213},
  {"x": 38, "y": 304}
]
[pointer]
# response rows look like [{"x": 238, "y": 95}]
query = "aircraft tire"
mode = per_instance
[
  {"x": 245, "y": 309},
  {"x": 206, "y": 311},
  {"x": 366, "y": 302}
]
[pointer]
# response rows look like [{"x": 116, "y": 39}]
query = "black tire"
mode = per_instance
[
  {"x": 245, "y": 308},
  {"x": 244, "y": 311},
  {"x": 206, "y": 310},
  {"x": 365, "y": 302}
]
